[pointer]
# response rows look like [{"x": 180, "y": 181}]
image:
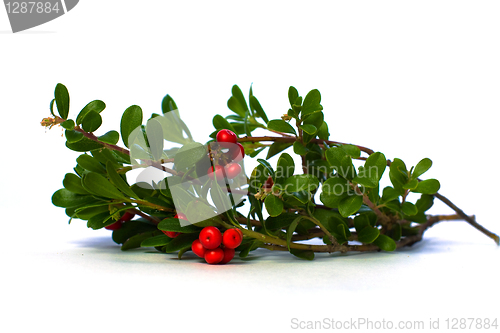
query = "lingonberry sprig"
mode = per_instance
[{"x": 334, "y": 196}]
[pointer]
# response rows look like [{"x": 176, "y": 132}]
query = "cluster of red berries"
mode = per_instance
[
  {"x": 118, "y": 224},
  {"x": 228, "y": 140},
  {"x": 215, "y": 247}
]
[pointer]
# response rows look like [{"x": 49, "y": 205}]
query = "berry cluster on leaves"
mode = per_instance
[{"x": 335, "y": 199}]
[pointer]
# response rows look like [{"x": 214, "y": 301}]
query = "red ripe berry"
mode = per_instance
[
  {"x": 180, "y": 216},
  {"x": 171, "y": 234},
  {"x": 219, "y": 172},
  {"x": 226, "y": 136},
  {"x": 233, "y": 170},
  {"x": 269, "y": 183},
  {"x": 210, "y": 237},
  {"x": 198, "y": 249},
  {"x": 237, "y": 152},
  {"x": 127, "y": 216},
  {"x": 214, "y": 256},
  {"x": 115, "y": 226},
  {"x": 232, "y": 238},
  {"x": 228, "y": 255}
]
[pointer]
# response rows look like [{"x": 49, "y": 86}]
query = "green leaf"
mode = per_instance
[
  {"x": 311, "y": 102},
  {"x": 90, "y": 163},
  {"x": 299, "y": 149},
  {"x": 276, "y": 148},
  {"x": 173, "y": 224},
  {"x": 301, "y": 183},
  {"x": 100, "y": 186},
  {"x": 303, "y": 254},
  {"x": 154, "y": 132},
  {"x": 130, "y": 229},
  {"x": 281, "y": 221},
  {"x": 267, "y": 166},
  {"x": 330, "y": 200},
  {"x": 350, "y": 205},
  {"x": 398, "y": 175},
  {"x": 285, "y": 168},
  {"x": 411, "y": 185},
  {"x": 220, "y": 123},
  {"x": 68, "y": 124},
  {"x": 73, "y": 136},
  {"x": 92, "y": 121},
  {"x": 159, "y": 240},
  {"x": 385, "y": 243},
  {"x": 131, "y": 119},
  {"x": 309, "y": 129},
  {"x": 421, "y": 168},
  {"x": 335, "y": 186},
  {"x": 237, "y": 102},
  {"x": 255, "y": 105},
  {"x": 96, "y": 106},
  {"x": 280, "y": 125},
  {"x": 424, "y": 203},
  {"x": 365, "y": 220},
  {"x": 245, "y": 249},
  {"x": 375, "y": 165},
  {"x": 167, "y": 104},
  {"x": 189, "y": 154},
  {"x": 73, "y": 183},
  {"x": 62, "y": 100},
  {"x": 323, "y": 132},
  {"x": 100, "y": 221},
  {"x": 293, "y": 94},
  {"x": 274, "y": 205},
  {"x": 368, "y": 234},
  {"x": 87, "y": 212},
  {"x": 110, "y": 137},
  {"x": 389, "y": 194},
  {"x": 351, "y": 150},
  {"x": 135, "y": 241},
  {"x": 428, "y": 186},
  {"x": 67, "y": 199},
  {"x": 408, "y": 208},
  {"x": 83, "y": 145},
  {"x": 180, "y": 242},
  {"x": 118, "y": 181},
  {"x": 291, "y": 229}
]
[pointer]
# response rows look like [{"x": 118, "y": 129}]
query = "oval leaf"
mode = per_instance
[
  {"x": 368, "y": 234},
  {"x": 428, "y": 186},
  {"x": 100, "y": 186},
  {"x": 96, "y": 106},
  {"x": 62, "y": 100},
  {"x": 92, "y": 121},
  {"x": 385, "y": 243},
  {"x": 131, "y": 119},
  {"x": 421, "y": 168},
  {"x": 280, "y": 125},
  {"x": 350, "y": 205},
  {"x": 274, "y": 205}
]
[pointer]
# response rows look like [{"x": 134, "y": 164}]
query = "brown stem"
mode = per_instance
[{"x": 153, "y": 219}]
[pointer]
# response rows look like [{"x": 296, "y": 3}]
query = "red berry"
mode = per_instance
[
  {"x": 180, "y": 216},
  {"x": 171, "y": 234},
  {"x": 127, "y": 216},
  {"x": 237, "y": 152},
  {"x": 198, "y": 249},
  {"x": 269, "y": 183},
  {"x": 228, "y": 255},
  {"x": 232, "y": 238},
  {"x": 233, "y": 170},
  {"x": 219, "y": 172},
  {"x": 210, "y": 237},
  {"x": 115, "y": 226},
  {"x": 226, "y": 136},
  {"x": 214, "y": 256}
]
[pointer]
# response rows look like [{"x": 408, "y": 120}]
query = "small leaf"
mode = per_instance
[
  {"x": 285, "y": 168},
  {"x": 100, "y": 186},
  {"x": 62, "y": 100},
  {"x": 368, "y": 234},
  {"x": 398, "y": 175},
  {"x": 110, "y": 137},
  {"x": 154, "y": 132},
  {"x": 220, "y": 123},
  {"x": 136, "y": 240},
  {"x": 389, "y": 194},
  {"x": 68, "y": 124},
  {"x": 180, "y": 242},
  {"x": 131, "y": 119},
  {"x": 274, "y": 205},
  {"x": 291, "y": 229},
  {"x": 254, "y": 103},
  {"x": 167, "y": 104},
  {"x": 428, "y": 186},
  {"x": 118, "y": 181},
  {"x": 130, "y": 229},
  {"x": 189, "y": 154},
  {"x": 351, "y": 150},
  {"x": 309, "y": 129},
  {"x": 385, "y": 243},
  {"x": 424, "y": 203},
  {"x": 73, "y": 183},
  {"x": 421, "y": 168},
  {"x": 173, "y": 224},
  {"x": 96, "y": 106},
  {"x": 267, "y": 166},
  {"x": 280, "y": 125},
  {"x": 336, "y": 186},
  {"x": 323, "y": 132},
  {"x": 159, "y": 240},
  {"x": 90, "y": 163},
  {"x": 299, "y": 149},
  {"x": 293, "y": 94},
  {"x": 301, "y": 183},
  {"x": 83, "y": 145},
  {"x": 100, "y": 221},
  {"x": 67, "y": 199},
  {"x": 350, "y": 205},
  {"x": 311, "y": 102},
  {"x": 276, "y": 148},
  {"x": 303, "y": 254},
  {"x": 411, "y": 185},
  {"x": 73, "y": 136},
  {"x": 408, "y": 208}
]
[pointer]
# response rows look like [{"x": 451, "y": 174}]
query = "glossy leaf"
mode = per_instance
[
  {"x": 389, "y": 194},
  {"x": 220, "y": 123},
  {"x": 290, "y": 231},
  {"x": 285, "y": 168},
  {"x": 280, "y": 125},
  {"x": 368, "y": 234},
  {"x": 118, "y": 181},
  {"x": 189, "y": 155},
  {"x": 299, "y": 149},
  {"x": 274, "y": 205},
  {"x": 254, "y": 103},
  {"x": 293, "y": 94},
  {"x": 168, "y": 104},
  {"x": 100, "y": 221},
  {"x": 90, "y": 163},
  {"x": 311, "y": 102},
  {"x": 267, "y": 166},
  {"x": 110, "y": 137},
  {"x": 411, "y": 185},
  {"x": 385, "y": 243},
  {"x": 96, "y": 106},
  {"x": 408, "y": 208},
  {"x": 68, "y": 124},
  {"x": 421, "y": 167},
  {"x": 159, "y": 240},
  {"x": 303, "y": 254},
  {"x": 62, "y": 100},
  {"x": 428, "y": 186},
  {"x": 92, "y": 121},
  {"x": 73, "y": 183},
  {"x": 131, "y": 119},
  {"x": 276, "y": 148},
  {"x": 182, "y": 241},
  {"x": 173, "y": 224},
  {"x": 66, "y": 199},
  {"x": 100, "y": 186},
  {"x": 130, "y": 229},
  {"x": 350, "y": 205},
  {"x": 73, "y": 136},
  {"x": 135, "y": 241}
]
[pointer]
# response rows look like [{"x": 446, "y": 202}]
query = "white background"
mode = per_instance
[{"x": 410, "y": 79}]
